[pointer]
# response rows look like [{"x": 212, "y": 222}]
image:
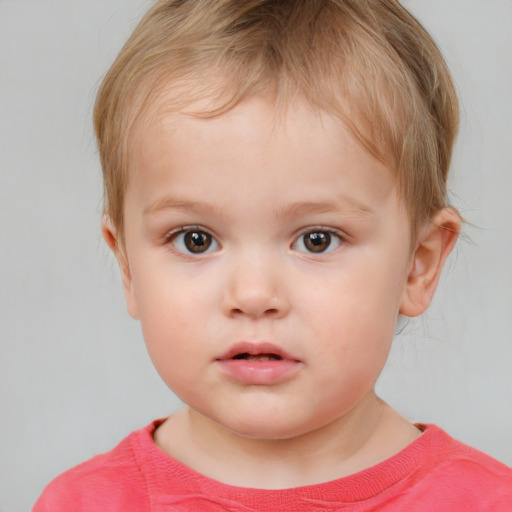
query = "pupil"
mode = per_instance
[
  {"x": 317, "y": 242},
  {"x": 197, "y": 241}
]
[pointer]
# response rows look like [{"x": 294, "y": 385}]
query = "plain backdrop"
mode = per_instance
[{"x": 74, "y": 374}]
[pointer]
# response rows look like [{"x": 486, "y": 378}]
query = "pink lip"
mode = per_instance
[
  {"x": 254, "y": 349},
  {"x": 258, "y": 372}
]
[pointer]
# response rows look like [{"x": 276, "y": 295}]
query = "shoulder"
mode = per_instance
[
  {"x": 458, "y": 472},
  {"x": 108, "y": 482}
]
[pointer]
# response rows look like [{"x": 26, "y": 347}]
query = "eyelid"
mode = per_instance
[
  {"x": 171, "y": 236},
  {"x": 324, "y": 229},
  {"x": 183, "y": 229},
  {"x": 320, "y": 229}
]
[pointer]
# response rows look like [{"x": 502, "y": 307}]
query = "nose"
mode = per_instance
[{"x": 255, "y": 289}]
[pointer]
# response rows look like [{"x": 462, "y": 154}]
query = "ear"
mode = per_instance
[
  {"x": 433, "y": 246},
  {"x": 110, "y": 236}
]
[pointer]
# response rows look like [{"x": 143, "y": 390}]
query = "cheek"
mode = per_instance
[
  {"x": 172, "y": 339},
  {"x": 166, "y": 292},
  {"x": 356, "y": 298},
  {"x": 353, "y": 315},
  {"x": 177, "y": 311},
  {"x": 168, "y": 311},
  {"x": 171, "y": 321}
]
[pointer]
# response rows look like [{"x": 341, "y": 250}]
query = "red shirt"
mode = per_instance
[{"x": 435, "y": 473}]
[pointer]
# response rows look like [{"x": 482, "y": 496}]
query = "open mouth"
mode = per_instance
[
  {"x": 258, "y": 364},
  {"x": 245, "y": 356},
  {"x": 259, "y": 352}
]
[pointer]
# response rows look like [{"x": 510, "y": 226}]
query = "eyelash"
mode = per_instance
[
  {"x": 172, "y": 237},
  {"x": 332, "y": 233}
]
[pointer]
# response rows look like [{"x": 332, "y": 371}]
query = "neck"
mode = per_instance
[{"x": 369, "y": 434}]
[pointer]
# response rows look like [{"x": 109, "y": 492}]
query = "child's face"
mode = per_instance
[{"x": 247, "y": 234}]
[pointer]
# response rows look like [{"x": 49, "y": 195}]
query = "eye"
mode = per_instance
[
  {"x": 318, "y": 241},
  {"x": 194, "y": 241}
]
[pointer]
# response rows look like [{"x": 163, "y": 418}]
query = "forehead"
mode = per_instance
[
  {"x": 214, "y": 92},
  {"x": 299, "y": 146}
]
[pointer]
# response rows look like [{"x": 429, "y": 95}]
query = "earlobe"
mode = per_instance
[
  {"x": 110, "y": 235},
  {"x": 433, "y": 246}
]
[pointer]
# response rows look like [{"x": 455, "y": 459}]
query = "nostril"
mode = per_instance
[
  {"x": 253, "y": 304},
  {"x": 255, "y": 313}
]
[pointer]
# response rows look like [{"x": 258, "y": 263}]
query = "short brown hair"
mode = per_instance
[{"x": 369, "y": 62}]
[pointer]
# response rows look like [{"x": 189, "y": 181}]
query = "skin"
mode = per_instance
[{"x": 257, "y": 185}]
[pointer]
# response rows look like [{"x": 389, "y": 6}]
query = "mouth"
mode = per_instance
[
  {"x": 245, "y": 356},
  {"x": 264, "y": 352},
  {"x": 258, "y": 364}
]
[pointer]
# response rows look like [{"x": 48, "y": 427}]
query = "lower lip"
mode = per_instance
[{"x": 259, "y": 373}]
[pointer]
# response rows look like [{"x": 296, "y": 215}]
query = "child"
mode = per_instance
[{"x": 275, "y": 194}]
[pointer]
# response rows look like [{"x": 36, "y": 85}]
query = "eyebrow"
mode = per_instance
[
  {"x": 344, "y": 205},
  {"x": 171, "y": 203}
]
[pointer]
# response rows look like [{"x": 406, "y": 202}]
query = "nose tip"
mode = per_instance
[
  {"x": 256, "y": 307},
  {"x": 255, "y": 293}
]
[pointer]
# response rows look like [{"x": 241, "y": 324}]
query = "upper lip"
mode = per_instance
[{"x": 254, "y": 349}]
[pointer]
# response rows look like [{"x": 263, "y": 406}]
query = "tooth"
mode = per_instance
[{"x": 263, "y": 357}]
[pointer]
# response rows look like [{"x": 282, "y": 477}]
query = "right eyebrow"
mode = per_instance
[{"x": 174, "y": 203}]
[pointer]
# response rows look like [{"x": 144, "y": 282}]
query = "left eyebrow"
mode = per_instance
[{"x": 346, "y": 205}]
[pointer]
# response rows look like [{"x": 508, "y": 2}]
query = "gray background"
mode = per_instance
[{"x": 74, "y": 375}]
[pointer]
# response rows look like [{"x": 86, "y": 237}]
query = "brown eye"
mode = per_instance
[
  {"x": 194, "y": 242},
  {"x": 317, "y": 242},
  {"x": 197, "y": 241}
]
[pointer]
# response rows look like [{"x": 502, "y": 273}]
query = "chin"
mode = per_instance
[{"x": 266, "y": 429}]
